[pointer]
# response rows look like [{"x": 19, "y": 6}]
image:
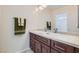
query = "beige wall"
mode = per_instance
[
  {"x": 72, "y": 12},
  {"x": 1, "y": 34},
  {"x": 14, "y": 43}
]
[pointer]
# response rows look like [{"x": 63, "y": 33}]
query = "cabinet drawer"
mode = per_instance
[
  {"x": 32, "y": 36},
  {"x": 45, "y": 40},
  {"x": 63, "y": 47},
  {"x": 60, "y": 46},
  {"x": 41, "y": 39}
]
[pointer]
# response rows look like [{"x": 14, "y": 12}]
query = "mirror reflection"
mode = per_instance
[{"x": 64, "y": 19}]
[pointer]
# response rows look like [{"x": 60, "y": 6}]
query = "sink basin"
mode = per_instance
[
  {"x": 43, "y": 32},
  {"x": 47, "y": 32}
]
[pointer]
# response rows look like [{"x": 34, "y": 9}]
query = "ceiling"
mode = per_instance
[{"x": 54, "y": 6}]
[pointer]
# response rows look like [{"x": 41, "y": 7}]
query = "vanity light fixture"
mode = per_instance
[
  {"x": 36, "y": 9},
  {"x": 44, "y": 6},
  {"x": 39, "y": 8}
]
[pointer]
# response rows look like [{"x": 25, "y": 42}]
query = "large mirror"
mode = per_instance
[{"x": 65, "y": 18}]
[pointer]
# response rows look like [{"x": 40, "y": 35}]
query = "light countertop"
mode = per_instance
[{"x": 64, "y": 38}]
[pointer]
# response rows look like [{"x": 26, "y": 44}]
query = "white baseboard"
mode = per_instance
[{"x": 24, "y": 50}]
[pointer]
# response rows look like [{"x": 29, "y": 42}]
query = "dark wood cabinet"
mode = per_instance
[
  {"x": 41, "y": 44},
  {"x": 53, "y": 50},
  {"x": 61, "y": 47},
  {"x": 37, "y": 47},
  {"x": 32, "y": 43},
  {"x": 45, "y": 49},
  {"x": 76, "y": 50},
  {"x": 45, "y": 41}
]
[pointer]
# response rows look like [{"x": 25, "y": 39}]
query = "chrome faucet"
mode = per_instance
[{"x": 55, "y": 30}]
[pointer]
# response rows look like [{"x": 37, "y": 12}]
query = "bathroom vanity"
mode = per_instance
[{"x": 43, "y": 42}]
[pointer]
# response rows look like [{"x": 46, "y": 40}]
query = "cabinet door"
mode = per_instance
[
  {"x": 44, "y": 40},
  {"x": 37, "y": 47},
  {"x": 76, "y": 50},
  {"x": 32, "y": 42},
  {"x": 32, "y": 45},
  {"x": 45, "y": 49}
]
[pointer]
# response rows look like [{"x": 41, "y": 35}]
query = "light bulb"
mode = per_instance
[
  {"x": 36, "y": 9},
  {"x": 41, "y": 8},
  {"x": 44, "y": 6}
]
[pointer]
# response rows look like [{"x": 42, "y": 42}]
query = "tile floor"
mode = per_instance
[{"x": 28, "y": 51}]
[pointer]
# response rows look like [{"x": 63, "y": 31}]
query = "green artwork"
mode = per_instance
[{"x": 19, "y": 25}]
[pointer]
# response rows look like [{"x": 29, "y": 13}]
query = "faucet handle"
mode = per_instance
[{"x": 55, "y": 30}]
